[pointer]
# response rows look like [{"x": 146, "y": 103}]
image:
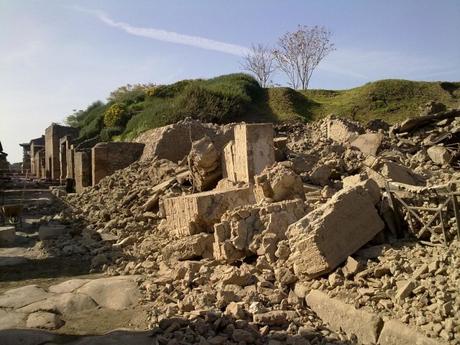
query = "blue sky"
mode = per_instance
[{"x": 56, "y": 56}]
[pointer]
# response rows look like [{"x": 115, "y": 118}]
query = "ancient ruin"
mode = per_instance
[{"x": 285, "y": 232}]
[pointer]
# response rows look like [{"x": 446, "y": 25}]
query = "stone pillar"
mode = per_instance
[
  {"x": 250, "y": 153},
  {"x": 82, "y": 166}
]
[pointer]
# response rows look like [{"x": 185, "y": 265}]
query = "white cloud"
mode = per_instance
[{"x": 170, "y": 36}]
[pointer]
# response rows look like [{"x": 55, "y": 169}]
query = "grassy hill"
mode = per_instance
[{"x": 131, "y": 110}]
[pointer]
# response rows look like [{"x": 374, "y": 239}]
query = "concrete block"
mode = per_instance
[
  {"x": 342, "y": 316},
  {"x": 325, "y": 237},
  {"x": 7, "y": 235},
  {"x": 51, "y": 231},
  {"x": 396, "y": 333},
  {"x": 195, "y": 213}
]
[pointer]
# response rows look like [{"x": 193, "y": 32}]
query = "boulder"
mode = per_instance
[
  {"x": 325, "y": 237},
  {"x": 368, "y": 143},
  {"x": 278, "y": 182},
  {"x": 44, "y": 320},
  {"x": 205, "y": 164},
  {"x": 439, "y": 155}
]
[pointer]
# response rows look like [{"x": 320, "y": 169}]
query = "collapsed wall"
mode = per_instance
[{"x": 173, "y": 142}]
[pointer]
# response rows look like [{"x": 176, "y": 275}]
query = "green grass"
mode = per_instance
[
  {"x": 392, "y": 100},
  {"x": 238, "y": 97}
]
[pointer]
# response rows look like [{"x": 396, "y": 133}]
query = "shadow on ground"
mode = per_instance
[{"x": 202, "y": 330}]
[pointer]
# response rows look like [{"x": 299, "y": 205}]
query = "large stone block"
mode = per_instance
[
  {"x": 368, "y": 143},
  {"x": 342, "y": 316},
  {"x": 250, "y": 153},
  {"x": 7, "y": 235},
  {"x": 195, "y": 213},
  {"x": 325, "y": 237},
  {"x": 396, "y": 333},
  {"x": 106, "y": 158}
]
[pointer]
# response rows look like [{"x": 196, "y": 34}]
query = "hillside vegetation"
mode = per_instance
[{"x": 236, "y": 97}]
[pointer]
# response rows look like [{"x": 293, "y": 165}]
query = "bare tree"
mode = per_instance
[
  {"x": 300, "y": 52},
  {"x": 260, "y": 62}
]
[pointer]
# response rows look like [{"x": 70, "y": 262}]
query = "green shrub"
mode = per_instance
[
  {"x": 116, "y": 115},
  {"x": 109, "y": 132}
]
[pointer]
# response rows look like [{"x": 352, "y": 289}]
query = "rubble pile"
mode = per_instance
[{"x": 321, "y": 218}]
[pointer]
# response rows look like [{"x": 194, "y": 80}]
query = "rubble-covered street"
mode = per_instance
[{"x": 323, "y": 233}]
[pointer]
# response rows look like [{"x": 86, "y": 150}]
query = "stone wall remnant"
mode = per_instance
[
  {"x": 106, "y": 158},
  {"x": 82, "y": 165},
  {"x": 196, "y": 213},
  {"x": 36, "y": 145},
  {"x": 52, "y": 136}
]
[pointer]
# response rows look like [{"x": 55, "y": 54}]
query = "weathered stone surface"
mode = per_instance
[
  {"x": 255, "y": 229},
  {"x": 204, "y": 162},
  {"x": 439, "y": 155},
  {"x": 195, "y": 213},
  {"x": 396, "y": 333},
  {"x": 275, "y": 317},
  {"x": 113, "y": 293},
  {"x": 320, "y": 175},
  {"x": 405, "y": 289},
  {"x": 11, "y": 319},
  {"x": 342, "y": 316},
  {"x": 191, "y": 247},
  {"x": 163, "y": 143},
  {"x": 342, "y": 130},
  {"x": 44, "y": 320},
  {"x": 7, "y": 235},
  {"x": 250, "y": 153},
  {"x": 368, "y": 184},
  {"x": 51, "y": 231},
  {"x": 65, "y": 303},
  {"x": 278, "y": 182},
  {"x": 368, "y": 143},
  {"x": 324, "y": 238},
  {"x": 22, "y": 296}
]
